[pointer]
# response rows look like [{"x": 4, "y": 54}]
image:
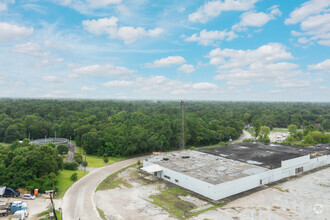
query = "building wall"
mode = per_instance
[
  {"x": 188, "y": 182},
  {"x": 223, "y": 190}
]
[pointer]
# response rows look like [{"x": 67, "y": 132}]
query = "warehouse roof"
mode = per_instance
[
  {"x": 206, "y": 167},
  {"x": 268, "y": 156}
]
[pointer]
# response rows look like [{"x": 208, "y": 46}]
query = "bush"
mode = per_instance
[
  {"x": 138, "y": 163},
  {"x": 192, "y": 148},
  {"x": 70, "y": 166},
  {"x": 265, "y": 140},
  {"x": 78, "y": 158},
  {"x": 62, "y": 149},
  {"x": 74, "y": 177},
  {"x": 84, "y": 164},
  {"x": 248, "y": 140},
  {"x": 106, "y": 160}
]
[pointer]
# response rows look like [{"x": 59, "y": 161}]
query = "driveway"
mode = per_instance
[
  {"x": 78, "y": 201},
  {"x": 245, "y": 135}
]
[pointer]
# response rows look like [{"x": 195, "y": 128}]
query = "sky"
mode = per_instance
[{"x": 225, "y": 50}]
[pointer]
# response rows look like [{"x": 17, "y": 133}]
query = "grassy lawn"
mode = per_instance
[
  {"x": 97, "y": 161},
  {"x": 283, "y": 131},
  {"x": 43, "y": 215},
  {"x": 101, "y": 213},
  {"x": 170, "y": 201},
  {"x": 64, "y": 181},
  {"x": 4, "y": 144}
]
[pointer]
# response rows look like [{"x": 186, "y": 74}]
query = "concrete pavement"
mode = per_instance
[{"x": 78, "y": 201}]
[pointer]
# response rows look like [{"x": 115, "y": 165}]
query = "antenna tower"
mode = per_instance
[{"x": 182, "y": 127}]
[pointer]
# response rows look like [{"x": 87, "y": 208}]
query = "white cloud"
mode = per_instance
[
  {"x": 266, "y": 63},
  {"x": 110, "y": 27},
  {"x": 11, "y": 32},
  {"x": 4, "y": 4},
  {"x": 49, "y": 61},
  {"x": 204, "y": 85},
  {"x": 187, "y": 68},
  {"x": 57, "y": 93},
  {"x": 292, "y": 83},
  {"x": 51, "y": 79},
  {"x": 30, "y": 48},
  {"x": 306, "y": 9},
  {"x": 160, "y": 85},
  {"x": 168, "y": 61},
  {"x": 256, "y": 19},
  {"x": 209, "y": 37},
  {"x": 107, "y": 70},
  {"x": 87, "y": 6},
  {"x": 102, "y": 3},
  {"x": 87, "y": 89},
  {"x": 314, "y": 19},
  {"x": 323, "y": 66},
  {"x": 212, "y": 9},
  {"x": 119, "y": 83},
  {"x": 100, "y": 26}
]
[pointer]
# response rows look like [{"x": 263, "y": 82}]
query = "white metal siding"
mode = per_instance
[{"x": 233, "y": 187}]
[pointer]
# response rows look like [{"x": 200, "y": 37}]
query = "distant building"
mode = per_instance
[{"x": 228, "y": 170}]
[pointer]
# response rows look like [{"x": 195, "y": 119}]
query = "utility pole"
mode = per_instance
[
  {"x": 85, "y": 164},
  {"x": 55, "y": 135},
  {"x": 182, "y": 142}
]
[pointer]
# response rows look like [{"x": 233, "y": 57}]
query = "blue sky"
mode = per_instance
[{"x": 253, "y": 50}]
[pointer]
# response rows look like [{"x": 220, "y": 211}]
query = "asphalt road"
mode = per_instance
[
  {"x": 78, "y": 201},
  {"x": 245, "y": 135}
]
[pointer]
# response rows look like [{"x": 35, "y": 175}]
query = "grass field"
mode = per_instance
[
  {"x": 64, "y": 181},
  {"x": 97, "y": 161},
  {"x": 169, "y": 200},
  {"x": 43, "y": 215}
]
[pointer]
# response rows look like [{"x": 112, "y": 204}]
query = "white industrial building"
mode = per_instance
[{"x": 225, "y": 171}]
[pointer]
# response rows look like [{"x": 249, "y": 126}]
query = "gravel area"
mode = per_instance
[{"x": 307, "y": 197}]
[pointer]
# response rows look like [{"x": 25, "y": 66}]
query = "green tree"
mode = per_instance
[
  {"x": 14, "y": 132},
  {"x": 264, "y": 132},
  {"x": 62, "y": 149},
  {"x": 74, "y": 177},
  {"x": 292, "y": 129}
]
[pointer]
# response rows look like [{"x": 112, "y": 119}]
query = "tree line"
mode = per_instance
[
  {"x": 27, "y": 166},
  {"x": 124, "y": 128}
]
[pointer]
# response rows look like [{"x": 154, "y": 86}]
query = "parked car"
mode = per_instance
[{"x": 28, "y": 196}]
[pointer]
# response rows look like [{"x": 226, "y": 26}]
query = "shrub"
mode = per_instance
[
  {"x": 138, "y": 163},
  {"x": 62, "y": 149},
  {"x": 84, "y": 164},
  {"x": 78, "y": 158},
  {"x": 70, "y": 166},
  {"x": 192, "y": 148},
  {"x": 74, "y": 177},
  {"x": 106, "y": 160},
  {"x": 248, "y": 140}
]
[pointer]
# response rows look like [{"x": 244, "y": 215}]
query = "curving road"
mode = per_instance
[
  {"x": 78, "y": 200},
  {"x": 245, "y": 135}
]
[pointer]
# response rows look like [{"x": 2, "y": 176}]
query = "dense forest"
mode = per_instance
[
  {"x": 23, "y": 165},
  {"x": 123, "y": 128}
]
